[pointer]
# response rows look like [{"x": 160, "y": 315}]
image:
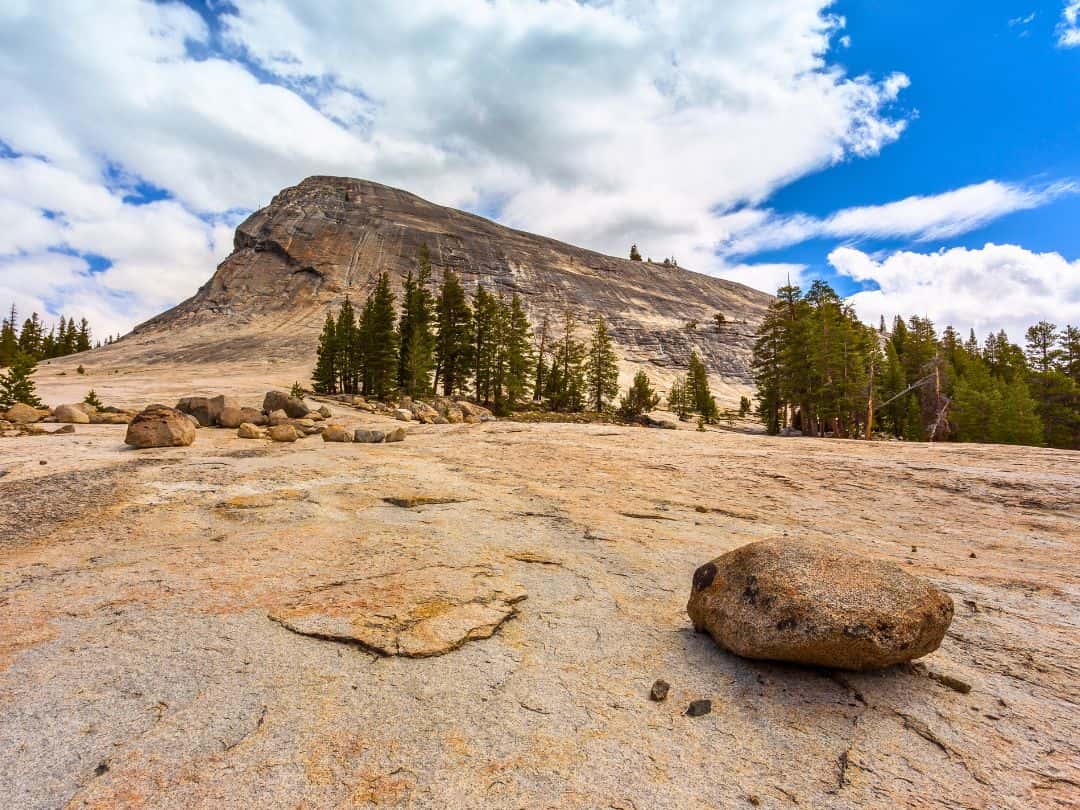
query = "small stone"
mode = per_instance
[
  {"x": 325, "y": 412},
  {"x": 659, "y": 691},
  {"x": 368, "y": 436},
  {"x": 66, "y": 429},
  {"x": 71, "y": 415},
  {"x": 249, "y": 431},
  {"x": 278, "y": 417},
  {"x": 972, "y": 555},
  {"x": 336, "y": 433},
  {"x": 283, "y": 433},
  {"x": 698, "y": 708},
  {"x": 403, "y": 415},
  {"x": 396, "y": 435}
]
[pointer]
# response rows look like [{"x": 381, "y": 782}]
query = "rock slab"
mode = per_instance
[{"x": 806, "y": 603}]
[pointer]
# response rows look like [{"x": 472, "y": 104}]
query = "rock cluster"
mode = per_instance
[{"x": 797, "y": 601}]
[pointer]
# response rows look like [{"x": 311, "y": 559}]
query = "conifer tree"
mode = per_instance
[
  {"x": 82, "y": 337},
  {"x": 542, "y": 349},
  {"x": 640, "y": 399},
  {"x": 700, "y": 395},
  {"x": 9, "y": 339},
  {"x": 347, "y": 349},
  {"x": 17, "y": 384},
  {"x": 325, "y": 376},
  {"x": 565, "y": 386},
  {"x": 378, "y": 340},
  {"x": 453, "y": 340},
  {"x": 601, "y": 368},
  {"x": 92, "y": 399},
  {"x": 678, "y": 400},
  {"x": 416, "y": 337},
  {"x": 519, "y": 352},
  {"x": 635, "y": 256},
  {"x": 485, "y": 325}
]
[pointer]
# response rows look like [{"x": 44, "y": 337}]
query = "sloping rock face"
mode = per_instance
[{"x": 329, "y": 237}]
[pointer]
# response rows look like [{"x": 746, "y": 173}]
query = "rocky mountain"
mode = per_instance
[{"x": 329, "y": 237}]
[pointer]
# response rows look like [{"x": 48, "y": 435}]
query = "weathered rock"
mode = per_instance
[
  {"x": 654, "y": 422},
  {"x": 406, "y": 613},
  {"x": 206, "y": 409},
  {"x": 396, "y": 435},
  {"x": 337, "y": 433},
  {"x": 64, "y": 431},
  {"x": 403, "y": 414},
  {"x": 474, "y": 413},
  {"x": 440, "y": 420},
  {"x": 159, "y": 426},
  {"x": 280, "y": 401},
  {"x": 699, "y": 708},
  {"x": 248, "y": 430},
  {"x": 423, "y": 413},
  {"x": 369, "y": 436},
  {"x": 325, "y": 412},
  {"x": 278, "y": 417},
  {"x": 86, "y": 408},
  {"x": 232, "y": 417},
  {"x": 808, "y": 603},
  {"x": 659, "y": 691},
  {"x": 112, "y": 418},
  {"x": 21, "y": 414},
  {"x": 284, "y": 433},
  {"x": 71, "y": 415}
]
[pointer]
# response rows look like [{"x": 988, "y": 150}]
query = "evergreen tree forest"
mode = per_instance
[
  {"x": 67, "y": 336},
  {"x": 441, "y": 340},
  {"x": 820, "y": 370}
]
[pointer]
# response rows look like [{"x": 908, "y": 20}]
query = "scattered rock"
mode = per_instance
[
  {"x": 206, "y": 409},
  {"x": 112, "y": 418},
  {"x": 336, "y": 433},
  {"x": 21, "y": 414},
  {"x": 71, "y": 415},
  {"x": 475, "y": 413},
  {"x": 159, "y": 426},
  {"x": 280, "y": 401},
  {"x": 278, "y": 417},
  {"x": 662, "y": 424},
  {"x": 808, "y": 603},
  {"x": 325, "y": 412},
  {"x": 232, "y": 417},
  {"x": 250, "y": 431},
  {"x": 403, "y": 414},
  {"x": 407, "y": 613},
  {"x": 369, "y": 436},
  {"x": 65, "y": 430},
  {"x": 284, "y": 433},
  {"x": 396, "y": 435},
  {"x": 659, "y": 691},
  {"x": 424, "y": 413},
  {"x": 699, "y": 708}
]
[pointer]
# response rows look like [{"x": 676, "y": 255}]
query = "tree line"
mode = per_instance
[
  {"x": 442, "y": 340},
  {"x": 820, "y": 370},
  {"x": 63, "y": 338}
]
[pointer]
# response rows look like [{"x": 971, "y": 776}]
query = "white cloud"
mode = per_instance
[
  {"x": 1027, "y": 19},
  {"x": 601, "y": 124},
  {"x": 1069, "y": 28},
  {"x": 919, "y": 218},
  {"x": 995, "y": 287}
]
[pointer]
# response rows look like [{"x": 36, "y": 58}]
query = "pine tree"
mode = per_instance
[
  {"x": 678, "y": 399},
  {"x": 700, "y": 395},
  {"x": 601, "y": 368},
  {"x": 82, "y": 337},
  {"x": 415, "y": 330},
  {"x": 348, "y": 349},
  {"x": 9, "y": 338},
  {"x": 92, "y": 399},
  {"x": 453, "y": 340},
  {"x": 325, "y": 375},
  {"x": 31, "y": 336},
  {"x": 640, "y": 399},
  {"x": 485, "y": 315},
  {"x": 542, "y": 349},
  {"x": 17, "y": 384},
  {"x": 565, "y": 387},
  {"x": 520, "y": 360},
  {"x": 379, "y": 341}
]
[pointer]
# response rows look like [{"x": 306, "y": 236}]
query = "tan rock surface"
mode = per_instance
[{"x": 139, "y": 665}]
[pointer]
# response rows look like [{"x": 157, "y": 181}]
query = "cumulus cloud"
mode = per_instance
[
  {"x": 1069, "y": 28},
  {"x": 920, "y": 218},
  {"x": 995, "y": 287},
  {"x": 601, "y": 124}
]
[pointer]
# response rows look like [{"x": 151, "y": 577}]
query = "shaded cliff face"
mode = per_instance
[{"x": 329, "y": 237}]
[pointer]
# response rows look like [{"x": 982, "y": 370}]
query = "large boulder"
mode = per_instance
[
  {"x": 21, "y": 414},
  {"x": 280, "y": 401},
  {"x": 206, "y": 409},
  {"x": 159, "y": 426},
  {"x": 807, "y": 603},
  {"x": 278, "y": 417},
  {"x": 71, "y": 415}
]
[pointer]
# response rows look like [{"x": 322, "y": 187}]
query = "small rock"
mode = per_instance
[
  {"x": 159, "y": 426},
  {"x": 280, "y": 401},
  {"x": 71, "y": 415},
  {"x": 325, "y": 412},
  {"x": 396, "y": 435},
  {"x": 284, "y": 433},
  {"x": 66, "y": 429},
  {"x": 972, "y": 555},
  {"x": 277, "y": 417},
  {"x": 336, "y": 433},
  {"x": 368, "y": 436},
  {"x": 206, "y": 409},
  {"x": 22, "y": 414},
  {"x": 249, "y": 431},
  {"x": 403, "y": 414},
  {"x": 659, "y": 691},
  {"x": 698, "y": 708},
  {"x": 232, "y": 417}
]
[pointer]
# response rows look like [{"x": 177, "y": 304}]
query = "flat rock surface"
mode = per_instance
[{"x": 140, "y": 664}]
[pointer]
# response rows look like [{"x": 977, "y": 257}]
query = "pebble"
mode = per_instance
[{"x": 659, "y": 691}]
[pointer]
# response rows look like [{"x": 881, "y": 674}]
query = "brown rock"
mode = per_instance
[
  {"x": 206, "y": 409},
  {"x": 112, "y": 418},
  {"x": 808, "y": 603},
  {"x": 403, "y": 414},
  {"x": 396, "y": 435},
  {"x": 64, "y": 431},
  {"x": 284, "y": 433},
  {"x": 278, "y": 417},
  {"x": 336, "y": 433},
  {"x": 250, "y": 431},
  {"x": 424, "y": 413},
  {"x": 368, "y": 436},
  {"x": 280, "y": 401},
  {"x": 71, "y": 415},
  {"x": 21, "y": 414},
  {"x": 158, "y": 426}
]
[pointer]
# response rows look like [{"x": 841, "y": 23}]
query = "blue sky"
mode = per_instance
[{"x": 922, "y": 157}]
